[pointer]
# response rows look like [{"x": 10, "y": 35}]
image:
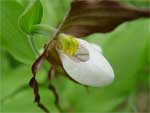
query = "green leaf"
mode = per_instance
[
  {"x": 22, "y": 74},
  {"x": 97, "y": 99},
  {"x": 12, "y": 39},
  {"x": 24, "y": 3},
  {"x": 31, "y": 16},
  {"x": 24, "y": 102},
  {"x": 54, "y": 11},
  {"x": 125, "y": 50},
  {"x": 53, "y": 14},
  {"x": 139, "y": 3}
]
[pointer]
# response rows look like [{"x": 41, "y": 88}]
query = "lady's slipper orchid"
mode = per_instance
[{"x": 82, "y": 61}]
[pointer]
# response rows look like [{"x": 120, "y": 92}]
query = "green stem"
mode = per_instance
[
  {"x": 39, "y": 29},
  {"x": 43, "y": 29},
  {"x": 32, "y": 45},
  {"x": 55, "y": 33}
]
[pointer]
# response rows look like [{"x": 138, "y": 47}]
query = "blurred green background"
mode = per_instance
[{"x": 126, "y": 48}]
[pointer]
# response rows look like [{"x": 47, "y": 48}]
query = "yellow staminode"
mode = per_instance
[{"x": 68, "y": 44}]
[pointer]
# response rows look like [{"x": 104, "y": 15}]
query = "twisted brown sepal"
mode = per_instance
[
  {"x": 33, "y": 82},
  {"x": 93, "y": 16},
  {"x": 51, "y": 87}
]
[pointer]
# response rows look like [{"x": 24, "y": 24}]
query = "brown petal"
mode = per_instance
[{"x": 91, "y": 16}]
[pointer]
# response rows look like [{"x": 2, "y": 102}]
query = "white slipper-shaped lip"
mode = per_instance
[{"x": 96, "y": 71}]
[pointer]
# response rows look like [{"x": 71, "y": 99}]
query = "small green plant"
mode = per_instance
[
  {"x": 67, "y": 49},
  {"x": 83, "y": 62}
]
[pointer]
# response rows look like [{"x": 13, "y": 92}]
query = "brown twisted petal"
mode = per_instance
[
  {"x": 93, "y": 16},
  {"x": 51, "y": 74},
  {"x": 33, "y": 82}
]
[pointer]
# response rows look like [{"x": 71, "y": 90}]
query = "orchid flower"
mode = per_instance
[{"x": 83, "y": 62}]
